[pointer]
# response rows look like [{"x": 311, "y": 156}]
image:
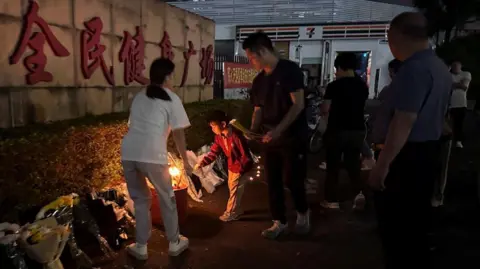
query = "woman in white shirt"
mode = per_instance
[{"x": 154, "y": 112}]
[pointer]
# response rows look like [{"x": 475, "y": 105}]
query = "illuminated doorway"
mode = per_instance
[{"x": 364, "y": 64}]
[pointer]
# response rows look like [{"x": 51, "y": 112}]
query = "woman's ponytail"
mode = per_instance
[{"x": 160, "y": 69}]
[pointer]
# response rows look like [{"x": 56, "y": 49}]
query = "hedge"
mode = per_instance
[{"x": 41, "y": 162}]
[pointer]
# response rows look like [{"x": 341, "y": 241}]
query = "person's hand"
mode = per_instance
[
  {"x": 270, "y": 136},
  {"x": 188, "y": 168},
  {"x": 377, "y": 176},
  {"x": 199, "y": 169}
]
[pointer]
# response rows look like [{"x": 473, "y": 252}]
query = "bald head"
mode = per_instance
[
  {"x": 410, "y": 25},
  {"x": 408, "y": 34}
]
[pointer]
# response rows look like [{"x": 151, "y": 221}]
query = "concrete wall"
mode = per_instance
[{"x": 70, "y": 95}]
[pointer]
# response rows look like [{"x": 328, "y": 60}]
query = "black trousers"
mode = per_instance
[
  {"x": 404, "y": 208},
  {"x": 458, "y": 117},
  {"x": 286, "y": 164},
  {"x": 349, "y": 144}
]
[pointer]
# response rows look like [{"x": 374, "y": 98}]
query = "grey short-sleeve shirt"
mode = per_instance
[{"x": 422, "y": 85}]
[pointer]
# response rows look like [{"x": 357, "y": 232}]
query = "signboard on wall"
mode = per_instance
[
  {"x": 310, "y": 33},
  {"x": 237, "y": 75}
]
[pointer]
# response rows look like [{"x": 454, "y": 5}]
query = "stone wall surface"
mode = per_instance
[{"x": 70, "y": 93}]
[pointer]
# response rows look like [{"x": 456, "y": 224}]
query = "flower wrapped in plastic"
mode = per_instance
[
  {"x": 180, "y": 179},
  {"x": 69, "y": 210},
  {"x": 11, "y": 256},
  {"x": 44, "y": 241}
]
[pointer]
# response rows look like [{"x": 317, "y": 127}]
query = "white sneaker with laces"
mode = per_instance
[
  {"x": 176, "y": 248},
  {"x": 138, "y": 251},
  {"x": 303, "y": 223},
  {"x": 274, "y": 231},
  {"x": 459, "y": 144}
]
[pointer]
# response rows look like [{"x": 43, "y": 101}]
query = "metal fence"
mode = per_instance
[{"x": 218, "y": 89}]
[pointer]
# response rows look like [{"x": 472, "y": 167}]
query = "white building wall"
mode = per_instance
[
  {"x": 225, "y": 32},
  {"x": 308, "y": 49}
]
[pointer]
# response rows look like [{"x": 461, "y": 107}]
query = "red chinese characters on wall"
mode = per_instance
[
  {"x": 166, "y": 47},
  {"x": 91, "y": 51},
  {"x": 132, "y": 55},
  {"x": 186, "y": 55},
  {"x": 37, "y": 61},
  {"x": 207, "y": 65}
]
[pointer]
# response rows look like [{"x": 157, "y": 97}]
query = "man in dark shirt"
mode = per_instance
[
  {"x": 277, "y": 95},
  {"x": 344, "y": 105},
  {"x": 411, "y": 120}
]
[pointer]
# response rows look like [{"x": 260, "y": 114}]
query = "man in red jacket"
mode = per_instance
[{"x": 235, "y": 147}]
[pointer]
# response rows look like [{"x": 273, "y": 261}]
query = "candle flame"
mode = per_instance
[{"x": 174, "y": 171}]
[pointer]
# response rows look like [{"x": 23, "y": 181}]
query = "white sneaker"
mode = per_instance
[
  {"x": 329, "y": 205},
  {"x": 459, "y": 145},
  {"x": 323, "y": 166},
  {"x": 138, "y": 251},
  {"x": 359, "y": 202},
  {"x": 274, "y": 231},
  {"x": 176, "y": 248},
  {"x": 303, "y": 223}
]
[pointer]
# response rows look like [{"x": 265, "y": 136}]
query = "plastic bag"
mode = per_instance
[{"x": 11, "y": 256}]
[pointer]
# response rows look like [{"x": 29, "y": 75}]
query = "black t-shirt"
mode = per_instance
[
  {"x": 348, "y": 96},
  {"x": 272, "y": 93}
]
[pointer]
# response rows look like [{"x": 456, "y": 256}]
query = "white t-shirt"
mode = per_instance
[
  {"x": 459, "y": 96},
  {"x": 150, "y": 123}
]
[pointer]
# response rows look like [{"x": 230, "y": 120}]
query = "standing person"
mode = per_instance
[
  {"x": 154, "y": 112},
  {"x": 411, "y": 119},
  {"x": 344, "y": 106},
  {"x": 277, "y": 95},
  {"x": 377, "y": 136},
  {"x": 458, "y": 101},
  {"x": 234, "y": 145}
]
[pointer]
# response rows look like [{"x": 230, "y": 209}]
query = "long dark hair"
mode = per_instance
[{"x": 159, "y": 70}]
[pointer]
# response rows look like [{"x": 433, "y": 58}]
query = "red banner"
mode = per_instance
[{"x": 236, "y": 75}]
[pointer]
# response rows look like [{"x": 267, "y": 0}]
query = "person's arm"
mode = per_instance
[
  {"x": 464, "y": 83},
  {"x": 298, "y": 104},
  {"x": 211, "y": 156},
  {"x": 325, "y": 107},
  {"x": 295, "y": 85},
  {"x": 178, "y": 121},
  {"x": 256, "y": 119},
  {"x": 409, "y": 90}
]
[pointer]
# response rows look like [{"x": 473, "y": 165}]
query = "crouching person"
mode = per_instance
[{"x": 234, "y": 145}]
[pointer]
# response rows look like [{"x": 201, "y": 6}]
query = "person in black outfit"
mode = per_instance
[
  {"x": 344, "y": 105},
  {"x": 277, "y": 95}
]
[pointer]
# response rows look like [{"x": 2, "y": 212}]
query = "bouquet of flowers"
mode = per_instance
[
  {"x": 249, "y": 134},
  {"x": 69, "y": 210},
  {"x": 44, "y": 241}
]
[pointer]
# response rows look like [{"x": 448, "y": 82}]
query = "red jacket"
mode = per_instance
[{"x": 235, "y": 149}]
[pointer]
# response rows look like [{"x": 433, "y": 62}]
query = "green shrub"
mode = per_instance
[{"x": 41, "y": 162}]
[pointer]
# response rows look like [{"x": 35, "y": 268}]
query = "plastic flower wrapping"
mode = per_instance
[
  {"x": 180, "y": 179},
  {"x": 11, "y": 256},
  {"x": 44, "y": 241},
  {"x": 70, "y": 210}
]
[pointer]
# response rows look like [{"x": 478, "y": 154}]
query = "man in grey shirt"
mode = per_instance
[{"x": 411, "y": 121}]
